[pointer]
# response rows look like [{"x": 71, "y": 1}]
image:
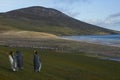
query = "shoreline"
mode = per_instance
[
  {"x": 93, "y": 41},
  {"x": 111, "y": 59},
  {"x": 63, "y": 45}
]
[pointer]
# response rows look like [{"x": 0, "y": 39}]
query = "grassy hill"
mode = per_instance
[
  {"x": 48, "y": 20},
  {"x": 59, "y": 66},
  {"x": 39, "y": 22}
]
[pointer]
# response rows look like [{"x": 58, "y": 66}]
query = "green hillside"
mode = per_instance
[
  {"x": 48, "y": 20},
  {"x": 59, "y": 66},
  {"x": 31, "y": 25}
]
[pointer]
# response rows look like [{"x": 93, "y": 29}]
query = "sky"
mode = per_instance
[{"x": 104, "y": 13}]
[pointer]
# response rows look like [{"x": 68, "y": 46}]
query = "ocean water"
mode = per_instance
[
  {"x": 113, "y": 59},
  {"x": 112, "y": 40}
]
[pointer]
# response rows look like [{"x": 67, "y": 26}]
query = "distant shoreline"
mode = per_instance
[
  {"x": 113, "y": 59},
  {"x": 62, "y": 45},
  {"x": 108, "y": 40}
]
